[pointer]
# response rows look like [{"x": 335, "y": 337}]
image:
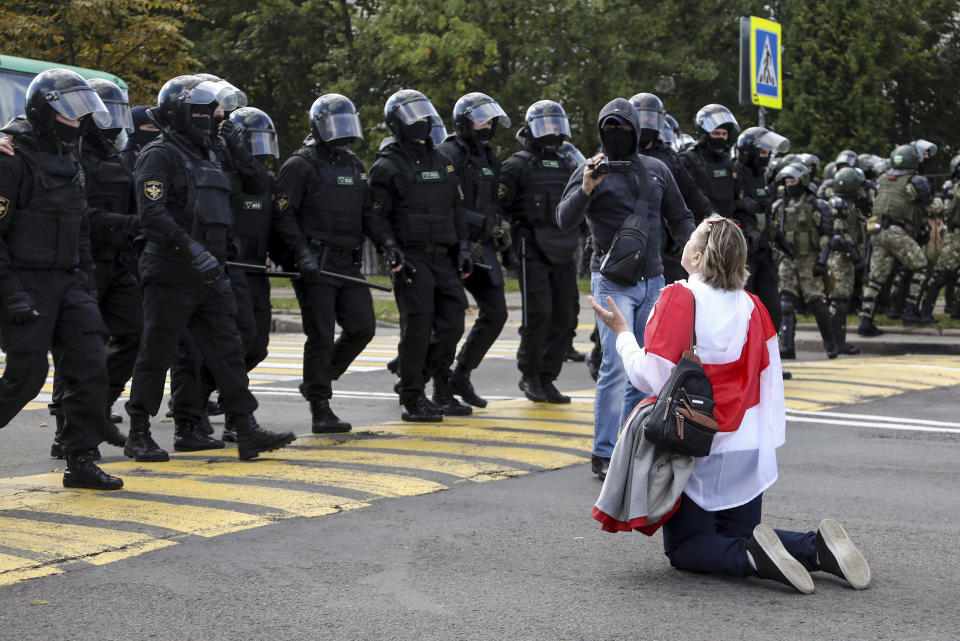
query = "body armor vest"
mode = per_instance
[
  {"x": 536, "y": 205},
  {"x": 331, "y": 210},
  {"x": 251, "y": 226},
  {"x": 424, "y": 213},
  {"x": 109, "y": 188},
  {"x": 799, "y": 225},
  {"x": 45, "y": 233},
  {"x": 951, "y": 214},
  {"x": 894, "y": 202},
  {"x": 719, "y": 181},
  {"x": 479, "y": 178}
]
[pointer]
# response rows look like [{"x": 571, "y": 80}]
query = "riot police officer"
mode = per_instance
[
  {"x": 847, "y": 246},
  {"x": 417, "y": 189},
  {"x": 806, "y": 223},
  {"x": 652, "y": 127},
  {"x": 476, "y": 119},
  {"x": 902, "y": 197},
  {"x": 184, "y": 202},
  {"x": 948, "y": 260},
  {"x": 531, "y": 184},
  {"x": 754, "y": 208},
  {"x": 709, "y": 163},
  {"x": 47, "y": 283},
  {"x": 325, "y": 209}
]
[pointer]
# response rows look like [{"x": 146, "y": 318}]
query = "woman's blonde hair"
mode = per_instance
[{"x": 724, "y": 249}]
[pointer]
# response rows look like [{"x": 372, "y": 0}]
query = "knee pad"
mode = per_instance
[{"x": 788, "y": 304}]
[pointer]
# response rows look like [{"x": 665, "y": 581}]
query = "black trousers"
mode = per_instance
[
  {"x": 70, "y": 326},
  {"x": 487, "y": 289},
  {"x": 174, "y": 299},
  {"x": 764, "y": 283},
  {"x": 552, "y": 304},
  {"x": 324, "y": 304},
  {"x": 433, "y": 304}
]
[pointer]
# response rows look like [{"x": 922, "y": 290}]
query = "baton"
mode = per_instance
[
  {"x": 523, "y": 281},
  {"x": 263, "y": 270}
]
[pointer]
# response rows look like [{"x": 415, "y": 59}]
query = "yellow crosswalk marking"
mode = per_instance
[
  {"x": 576, "y": 442},
  {"x": 14, "y": 569},
  {"x": 546, "y": 459}
]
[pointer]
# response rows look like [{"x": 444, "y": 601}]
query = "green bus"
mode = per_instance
[{"x": 16, "y": 74}]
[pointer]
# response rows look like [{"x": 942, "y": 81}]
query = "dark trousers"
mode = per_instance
[
  {"x": 764, "y": 283},
  {"x": 70, "y": 326},
  {"x": 716, "y": 542},
  {"x": 191, "y": 381},
  {"x": 174, "y": 299},
  {"x": 432, "y": 305},
  {"x": 487, "y": 289},
  {"x": 324, "y": 304},
  {"x": 551, "y": 305}
]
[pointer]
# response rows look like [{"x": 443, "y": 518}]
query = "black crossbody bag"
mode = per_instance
[{"x": 624, "y": 261}]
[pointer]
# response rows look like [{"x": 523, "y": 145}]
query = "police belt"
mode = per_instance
[
  {"x": 430, "y": 249},
  {"x": 347, "y": 252}
]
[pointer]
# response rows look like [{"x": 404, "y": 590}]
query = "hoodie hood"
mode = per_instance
[{"x": 621, "y": 108}]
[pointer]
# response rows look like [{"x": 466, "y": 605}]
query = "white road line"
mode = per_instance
[
  {"x": 874, "y": 426},
  {"x": 872, "y": 417}
]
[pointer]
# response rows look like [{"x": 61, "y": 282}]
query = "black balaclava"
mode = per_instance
[
  {"x": 65, "y": 133},
  {"x": 795, "y": 191},
  {"x": 618, "y": 144},
  {"x": 418, "y": 131},
  {"x": 550, "y": 142},
  {"x": 647, "y": 136}
]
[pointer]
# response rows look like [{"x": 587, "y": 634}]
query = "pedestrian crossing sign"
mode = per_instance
[{"x": 766, "y": 70}]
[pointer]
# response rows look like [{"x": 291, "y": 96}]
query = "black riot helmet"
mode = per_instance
[
  {"x": 404, "y": 110},
  {"x": 258, "y": 131},
  {"x": 712, "y": 117},
  {"x": 228, "y": 97},
  {"x": 753, "y": 139},
  {"x": 476, "y": 109},
  {"x": 64, "y": 92},
  {"x": 117, "y": 104},
  {"x": 671, "y": 131},
  {"x": 652, "y": 115},
  {"x": 847, "y": 181},
  {"x": 334, "y": 120},
  {"x": 181, "y": 95},
  {"x": 546, "y": 124},
  {"x": 847, "y": 158}
]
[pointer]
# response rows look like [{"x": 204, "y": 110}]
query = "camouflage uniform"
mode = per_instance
[
  {"x": 843, "y": 264},
  {"x": 948, "y": 261}
]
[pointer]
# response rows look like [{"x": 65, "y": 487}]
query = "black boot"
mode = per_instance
[
  {"x": 324, "y": 421},
  {"x": 552, "y": 394},
  {"x": 229, "y": 434},
  {"x": 911, "y": 315},
  {"x": 930, "y": 298},
  {"x": 460, "y": 384},
  {"x": 114, "y": 436},
  {"x": 573, "y": 355},
  {"x": 82, "y": 472},
  {"x": 824, "y": 323},
  {"x": 188, "y": 437},
  {"x": 140, "y": 445},
  {"x": 788, "y": 327},
  {"x": 420, "y": 410},
  {"x": 840, "y": 328},
  {"x": 532, "y": 389},
  {"x": 114, "y": 417},
  {"x": 252, "y": 440},
  {"x": 393, "y": 365},
  {"x": 867, "y": 326},
  {"x": 56, "y": 448},
  {"x": 443, "y": 397}
]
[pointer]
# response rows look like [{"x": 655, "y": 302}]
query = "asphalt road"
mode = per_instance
[{"x": 518, "y": 556}]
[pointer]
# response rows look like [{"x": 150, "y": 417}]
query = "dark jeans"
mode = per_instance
[{"x": 716, "y": 542}]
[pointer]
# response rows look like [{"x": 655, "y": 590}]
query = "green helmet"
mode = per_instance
[
  {"x": 847, "y": 181},
  {"x": 830, "y": 170},
  {"x": 905, "y": 157},
  {"x": 795, "y": 170}
]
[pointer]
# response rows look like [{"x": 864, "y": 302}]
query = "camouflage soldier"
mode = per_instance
[
  {"x": 804, "y": 226},
  {"x": 902, "y": 199},
  {"x": 846, "y": 251},
  {"x": 948, "y": 262}
]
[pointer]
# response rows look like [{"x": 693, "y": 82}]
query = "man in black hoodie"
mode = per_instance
[{"x": 606, "y": 201}]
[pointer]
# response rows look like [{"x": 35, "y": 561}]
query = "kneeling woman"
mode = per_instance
[{"x": 717, "y": 527}]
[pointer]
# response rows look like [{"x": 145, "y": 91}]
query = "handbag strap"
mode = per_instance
[{"x": 693, "y": 325}]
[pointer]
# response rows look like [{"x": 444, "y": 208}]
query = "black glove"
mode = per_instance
[
  {"x": 820, "y": 267},
  {"x": 394, "y": 256},
  {"x": 785, "y": 245},
  {"x": 838, "y": 243},
  {"x": 307, "y": 264},
  {"x": 203, "y": 262},
  {"x": 232, "y": 134},
  {"x": 19, "y": 308},
  {"x": 464, "y": 259},
  {"x": 923, "y": 236},
  {"x": 749, "y": 206}
]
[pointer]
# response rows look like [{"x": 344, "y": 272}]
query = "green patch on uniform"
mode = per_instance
[
  {"x": 487, "y": 171},
  {"x": 431, "y": 175},
  {"x": 253, "y": 204},
  {"x": 345, "y": 180},
  {"x": 153, "y": 189},
  {"x": 897, "y": 159},
  {"x": 552, "y": 164},
  {"x": 762, "y": 192},
  {"x": 4, "y": 206},
  {"x": 501, "y": 190},
  {"x": 281, "y": 201},
  {"x": 719, "y": 173}
]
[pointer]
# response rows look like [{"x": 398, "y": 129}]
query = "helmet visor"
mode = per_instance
[
  {"x": 650, "y": 119},
  {"x": 488, "y": 111},
  {"x": 416, "y": 109},
  {"x": 572, "y": 154},
  {"x": 926, "y": 147},
  {"x": 221, "y": 92},
  {"x": 75, "y": 103},
  {"x": 262, "y": 142},
  {"x": 791, "y": 171},
  {"x": 120, "y": 116},
  {"x": 774, "y": 142},
  {"x": 717, "y": 117},
  {"x": 438, "y": 132},
  {"x": 339, "y": 126},
  {"x": 549, "y": 126},
  {"x": 668, "y": 136}
]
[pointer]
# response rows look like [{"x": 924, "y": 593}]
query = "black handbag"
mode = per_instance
[
  {"x": 682, "y": 418},
  {"x": 624, "y": 261}
]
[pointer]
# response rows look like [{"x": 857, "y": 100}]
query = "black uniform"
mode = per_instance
[
  {"x": 479, "y": 171},
  {"x": 715, "y": 174},
  {"x": 45, "y": 255},
  {"x": 531, "y": 184},
  {"x": 417, "y": 189},
  {"x": 325, "y": 207},
  {"x": 753, "y": 211}
]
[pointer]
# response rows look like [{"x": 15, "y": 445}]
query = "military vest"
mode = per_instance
[
  {"x": 45, "y": 233},
  {"x": 423, "y": 213},
  {"x": 847, "y": 223},
  {"x": 252, "y": 222},
  {"x": 332, "y": 208},
  {"x": 894, "y": 202},
  {"x": 479, "y": 175},
  {"x": 536, "y": 203},
  {"x": 109, "y": 188},
  {"x": 718, "y": 180},
  {"x": 951, "y": 215},
  {"x": 800, "y": 227}
]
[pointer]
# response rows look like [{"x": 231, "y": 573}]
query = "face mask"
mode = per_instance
[
  {"x": 66, "y": 133},
  {"x": 200, "y": 122},
  {"x": 795, "y": 191},
  {"x": 718, "y": 145},
  {"x": 215, "y": 122},
  {"x": 339, "y": 144},
  {"x": 419, "y": 130},
  {"x": 484, "y": 135},
  {"x": 763, "y": 161},
  {"x": 647, "y": 136},
  {"x": 550, "y": 142},
  {"x": 618, "y": 144}
]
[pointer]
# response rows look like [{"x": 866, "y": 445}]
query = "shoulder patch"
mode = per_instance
[
  {"x": 363, "y": 175},
  {"x": 153, "y": 189},
  {"x": 4, "y": 207},
  {"x": 450, "y": 169},
  {"x": 377, "y": 205},
  {"x": 501, "y": 190},
  {"x": 281, "y": 201}
]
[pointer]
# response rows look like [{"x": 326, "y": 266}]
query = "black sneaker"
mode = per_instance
[
  {"x": 552, "y": 394},
  {"x": 532, "y": 389},
  {"x": 774, "y": 562},
  {"x": 839, "y": 556},
  {"x": 599, "y": 465},
  {"x": 82, "y": 472}
]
